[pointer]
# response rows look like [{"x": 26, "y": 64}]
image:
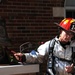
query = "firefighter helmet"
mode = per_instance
[{"x": 67, "y": 24}]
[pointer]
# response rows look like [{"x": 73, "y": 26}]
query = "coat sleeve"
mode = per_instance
[{"x": 39, "y": 55}]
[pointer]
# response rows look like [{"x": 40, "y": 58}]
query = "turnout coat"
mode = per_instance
[{"x": 63, "y": 56}]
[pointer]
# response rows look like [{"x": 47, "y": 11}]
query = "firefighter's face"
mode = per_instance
[{"x": 65, "y": 36}]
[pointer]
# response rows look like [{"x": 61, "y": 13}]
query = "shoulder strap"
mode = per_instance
[
  {"x": 51, "y": 46},
  {"x": 50, "y": 63},
  {"x": 73, "y": 55}
]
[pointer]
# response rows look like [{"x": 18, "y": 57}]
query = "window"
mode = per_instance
[
  {"x": 70, "y": 13},
  {"x": 69, "y": 6}
]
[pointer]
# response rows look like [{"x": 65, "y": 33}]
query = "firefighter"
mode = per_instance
[{"x": 59, "y": 50}]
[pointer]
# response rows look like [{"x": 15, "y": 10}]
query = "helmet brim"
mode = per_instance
[{"x": 63, "y": 28}]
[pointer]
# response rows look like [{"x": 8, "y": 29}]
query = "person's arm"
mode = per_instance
[
  {"x": 39, "y": 55},
  {"x": 34, "y": 56}
]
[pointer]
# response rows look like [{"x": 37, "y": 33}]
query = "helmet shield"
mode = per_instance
[{"x": 72, "y": 28}]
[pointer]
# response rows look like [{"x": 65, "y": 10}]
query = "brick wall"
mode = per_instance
[{"x": 29, "y": 20}]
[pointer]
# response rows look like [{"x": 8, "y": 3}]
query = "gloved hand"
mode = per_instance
[{"x": 20, "y": 57}]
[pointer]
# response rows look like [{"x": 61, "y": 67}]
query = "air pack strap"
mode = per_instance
[{"x": 62, "y": 59}]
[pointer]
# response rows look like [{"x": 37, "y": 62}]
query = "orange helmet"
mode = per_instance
[{"x": 67, "y": 24}]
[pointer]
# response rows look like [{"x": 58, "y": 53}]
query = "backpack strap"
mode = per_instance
[
  {"x": 50, "y": 64},
  {"x": 73, "y": 55},
  {"x": 51, "y": 46},
  {"x": 73, "y": 59}
]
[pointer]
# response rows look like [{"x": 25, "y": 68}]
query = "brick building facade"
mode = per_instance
[{"x": 31, "y": 20}]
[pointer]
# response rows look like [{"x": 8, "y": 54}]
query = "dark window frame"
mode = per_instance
[{"x": 69, "y": 8}]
